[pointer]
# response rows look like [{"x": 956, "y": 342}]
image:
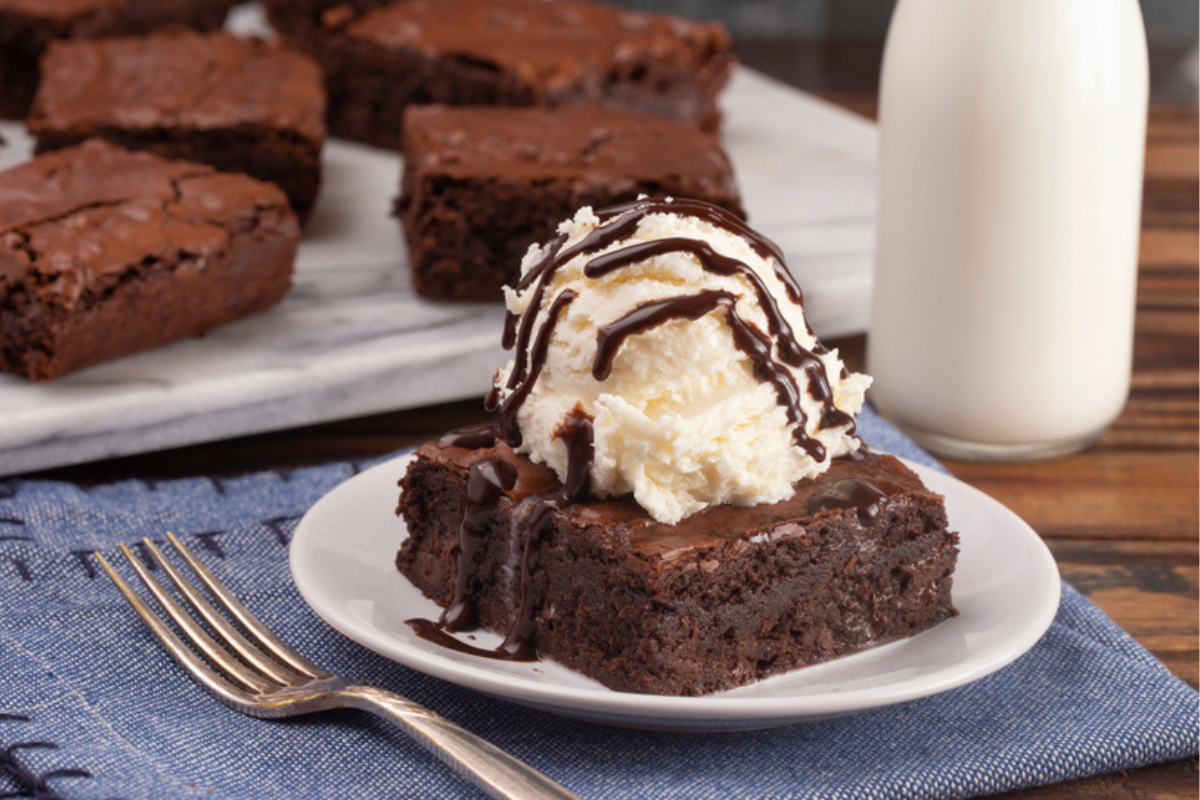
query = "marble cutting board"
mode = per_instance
[{"x": 352, "y": 339}]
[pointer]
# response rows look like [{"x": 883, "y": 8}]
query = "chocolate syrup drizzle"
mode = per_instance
[
  {"x": 528, "y": 366},
  {"x": 487, "y": 481},
  {"x": 610, "y": 337},
  {"x": 619, "y": 223},
  {"x": 576, "y": 433},
  {"x": 790, "y": 351},
  {"x": 746, "y": 337}
]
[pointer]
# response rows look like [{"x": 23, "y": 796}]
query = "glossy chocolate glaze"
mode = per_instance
[
  {"x": 576, "y": 433},
  {"x": 622, "y": 520},
  {"x": 518, "y": 643},
  {"x": 510, "y": 338},
  {"x": 757, "y": 345},
  {"x": 487, "y": 480},
  {"x": 718, "y": 217},
  {"x": 471, "y": 437},
  {"x": 863, "y": 497}
]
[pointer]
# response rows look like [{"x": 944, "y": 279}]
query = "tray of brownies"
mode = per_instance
[{"x": 310, "y": 212}]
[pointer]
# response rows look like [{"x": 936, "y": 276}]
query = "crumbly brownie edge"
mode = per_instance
[
  {"x": 297, "y": 20},
  {"x": 23, "y": 38},
  {"x": 142, "y": 16},
  {"x": 285, "y": 158},
  {"x": 466, "y": 237},
  {"x": 369, "y": 86},
  {"x": 744, "y": 611},
  {"x": 686, "y": 92},
  {"x": 149, "y": 303}
]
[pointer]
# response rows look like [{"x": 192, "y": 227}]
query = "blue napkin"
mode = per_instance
[{"x": 92, "y": 707}]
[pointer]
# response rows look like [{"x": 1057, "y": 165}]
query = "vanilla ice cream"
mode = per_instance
[{"x": 678, "y": 332}]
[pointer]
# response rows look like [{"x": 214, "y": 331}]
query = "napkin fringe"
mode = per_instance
[
  {"x": 29, "y": 783},
  {"x": 22, "y": 564}
]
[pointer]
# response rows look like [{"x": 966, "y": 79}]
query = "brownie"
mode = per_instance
[
  {"x": 241, "y": 105},
  {"x": 26, "y": 26},
  {"x": 104, "y": 252},
  {"x": 298, "y": 19},
  {"x": 515, "y": 53},
  {"x": 730, "y": 595},
  {"x": 481, "y": 184}
]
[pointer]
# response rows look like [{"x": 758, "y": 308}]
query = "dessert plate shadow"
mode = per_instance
[{"x": 1006, "y": 589}]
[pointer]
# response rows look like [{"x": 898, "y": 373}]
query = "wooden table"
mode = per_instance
[{"x": 1120, "y": 518}]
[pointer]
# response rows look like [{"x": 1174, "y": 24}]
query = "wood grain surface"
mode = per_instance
[{"x": 1120, "y": 518}]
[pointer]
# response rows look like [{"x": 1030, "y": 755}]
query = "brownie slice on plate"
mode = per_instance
[{"x": 730, "y": 595}]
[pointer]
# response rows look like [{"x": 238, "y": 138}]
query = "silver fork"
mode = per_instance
[{"x": 262, "y": 676}]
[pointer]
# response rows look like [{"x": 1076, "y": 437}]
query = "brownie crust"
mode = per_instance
[
  {"x": 726, "y": 597},
  {"x": 240, "y": 105},
  {"x": 104, "y": 252},
  {"x": 27, "y": 26},
  {"x": 515, "y": 53},
  {"x": 482, "y": 184},
  {"x": 297, "y": 20}
]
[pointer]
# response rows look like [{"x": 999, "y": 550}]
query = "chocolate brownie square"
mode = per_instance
[
  {"x": 515, "y": 53},
  {"x": 730, "y": 595},
  {"x": 481, "y": 184},
  {"x": 241, "y": 105},
  {"x": 104, "y": 252},
  {"x": 26, "y": 26},
  {"x": 298, "y": 19}
]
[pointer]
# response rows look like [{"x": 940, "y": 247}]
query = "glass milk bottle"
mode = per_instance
[{"x": 1012, "y": 139}]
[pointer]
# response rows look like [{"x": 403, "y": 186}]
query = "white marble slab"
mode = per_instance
[{"x": 352, "y": 339}]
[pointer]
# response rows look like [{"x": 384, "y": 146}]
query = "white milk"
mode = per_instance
[{"x": 1012, "y": 140}]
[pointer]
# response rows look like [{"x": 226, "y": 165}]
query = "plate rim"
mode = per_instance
[{"x": 718, "y": 708}]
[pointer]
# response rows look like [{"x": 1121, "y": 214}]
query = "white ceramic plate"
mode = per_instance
[{"x": 1006, "y": 589}]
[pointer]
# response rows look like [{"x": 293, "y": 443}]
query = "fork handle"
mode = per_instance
[{"x": 488, "y": 767}]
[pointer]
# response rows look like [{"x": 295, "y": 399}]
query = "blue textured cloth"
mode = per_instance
[{"x": 78, "y": 720}]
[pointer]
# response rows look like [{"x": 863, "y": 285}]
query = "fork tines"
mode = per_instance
[{"x": 251, "y": 664}]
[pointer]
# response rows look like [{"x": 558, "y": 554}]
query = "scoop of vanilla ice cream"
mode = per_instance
[{"x": 681, "y": 420}]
